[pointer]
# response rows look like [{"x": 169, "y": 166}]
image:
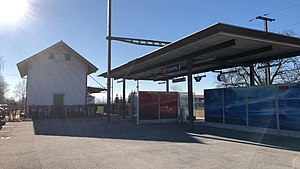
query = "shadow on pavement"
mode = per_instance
[
  {"x": 172, "y": 132},
  {"x": 116, "y": 129},
  {"x": 257, "y": 139}
]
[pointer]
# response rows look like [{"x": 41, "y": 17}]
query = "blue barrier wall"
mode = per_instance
[
  {"x": 235, "y": 106},
  {"x": 272, "y": 106},
  {"x": 289, "y": 106},
  {"x": 262, "y": 106},
  {"x": 213, "y": 108}
]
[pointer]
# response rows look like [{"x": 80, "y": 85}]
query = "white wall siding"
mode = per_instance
[{"x": 47, "y": 77}]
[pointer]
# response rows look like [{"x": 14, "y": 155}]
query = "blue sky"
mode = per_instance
[{"x": 82, "y": 25}]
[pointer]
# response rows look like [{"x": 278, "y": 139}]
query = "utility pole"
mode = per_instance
[
  {"x": 124, "y": 99},
  {"x": 112, "y": 95},
  {"x": 108, "y": 58},
  {"x": 109, "y": 38},
  {"x": 267, "y": 65}
]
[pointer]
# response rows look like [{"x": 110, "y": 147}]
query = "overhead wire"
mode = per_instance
[
  {"x": 297, "y": 23},
  {"x": 282, "y": 9},
  {"x": 275, "y": 11},
  {"x": 96, "y": 81}
]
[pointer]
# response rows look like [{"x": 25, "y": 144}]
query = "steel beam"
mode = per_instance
[
  {"x": 236, "y": 56},
  {"x": 279, "y": 56},
  {"x": 220, "y": 61},
  {"x": 144, "y": 42},
  {"x": 210, "y": 49},
  {"x": 223, "y": 61}
]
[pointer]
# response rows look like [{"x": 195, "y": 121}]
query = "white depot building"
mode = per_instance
[{"x": 56, "y": 76}]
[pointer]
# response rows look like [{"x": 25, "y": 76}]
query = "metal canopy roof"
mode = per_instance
[
  {"x": 217, "y": 47},
  {"x": 91, "y": 90}
]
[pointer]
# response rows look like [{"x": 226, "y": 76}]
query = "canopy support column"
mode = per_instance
[
  {"x": 137, "y": 103},
  {"x": 108, "y": 59},
  {"x": 124, "y": 99},
  {"x": 167, "y": 85},
  {"x": 190, "y": 92},
  {"x": 251, "y": 75}
]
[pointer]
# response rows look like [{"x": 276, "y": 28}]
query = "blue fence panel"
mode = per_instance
[
  {"x": 235, "y": 106},
  {"x": 213, "y": 105},
  {"x": 262, "y": 107},
  {"x": 289, "y": 106}
]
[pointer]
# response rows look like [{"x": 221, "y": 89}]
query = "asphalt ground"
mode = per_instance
[{"x": 95, "y": 143}]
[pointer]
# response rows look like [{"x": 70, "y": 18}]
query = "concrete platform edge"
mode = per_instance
[{"x": 255, "y": 129}]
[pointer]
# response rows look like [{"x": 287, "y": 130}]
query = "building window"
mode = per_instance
[
  {"x": 51, "y": 57},
  {"x": 68, "y": 57},
  {"x": 59, "y": 56}
]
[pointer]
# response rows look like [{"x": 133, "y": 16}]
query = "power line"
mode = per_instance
[
  {"x": 297, "y": 23},
  {"x": 282, "y": 9},
  {"x": 258, "y": 24},
  {"x": 13, "y": 75},
  {"x": 272, "y": 12},
  {"x": 96, "y": 81}
]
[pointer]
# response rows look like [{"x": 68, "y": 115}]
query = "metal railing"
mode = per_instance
[{"x": 46, "y": 111}]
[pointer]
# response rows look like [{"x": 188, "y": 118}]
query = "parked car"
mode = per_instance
[{"x": 2, "y": 117}]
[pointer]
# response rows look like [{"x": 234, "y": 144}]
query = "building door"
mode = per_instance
[{"x": 58, "y": 102}]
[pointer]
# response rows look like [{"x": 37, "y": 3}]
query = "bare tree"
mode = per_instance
[
  {"x": 117, "y": 99},
  {"x": 131, "y": 96},
  {"x": 281, "y": 71},
  {"x": 3, "y": 85},
  {"x": 176, "y": 88},
  {"x": 3, "y": 89},
  {"x": 20, "y": 92}
]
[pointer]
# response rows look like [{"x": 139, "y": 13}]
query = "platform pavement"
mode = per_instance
[{"x": 96, "y": 143}]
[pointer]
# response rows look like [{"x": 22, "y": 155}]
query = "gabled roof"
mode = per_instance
[
  {"x": 23, "y": 65},
  {"x": 217, "y": 47}
]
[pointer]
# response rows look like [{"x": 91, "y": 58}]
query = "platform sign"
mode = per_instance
[
  {"x": 170, "y": 68},
  {"x": 177, "y": 80}
]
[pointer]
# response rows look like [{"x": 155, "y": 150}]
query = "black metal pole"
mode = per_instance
[
  {"x": 108, "y": 58},
  {"x": 167, "y": 86},
  {"x": 124, "y": 99},
  {"x": 112, "y": 108},
  {"x": 266, "y": 25},
  {"x": 252, "y": 75},
  {"x": 190, "y": 93},
  {"x": 267, "y": 68}
]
